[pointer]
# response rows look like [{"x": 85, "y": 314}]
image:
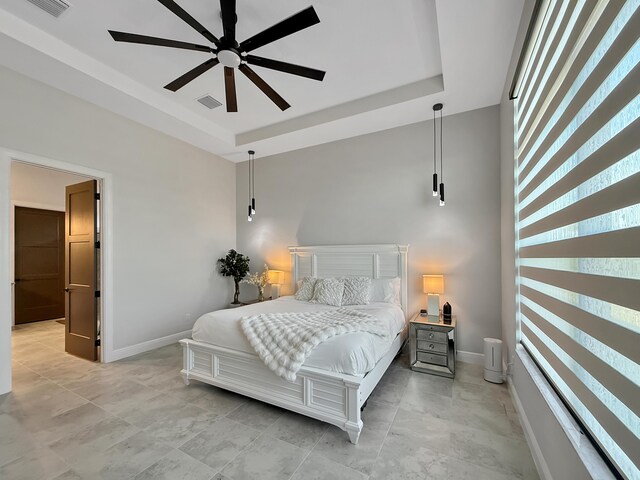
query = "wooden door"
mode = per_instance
[
  {"x": 39, "y": 265},
  {"x": 81, "y": 304}
]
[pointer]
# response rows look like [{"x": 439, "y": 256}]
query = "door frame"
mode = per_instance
[{"x": 7, "y": 157}]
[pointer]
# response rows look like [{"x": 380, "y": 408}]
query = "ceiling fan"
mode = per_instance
[{"x": 231, "y": 54}]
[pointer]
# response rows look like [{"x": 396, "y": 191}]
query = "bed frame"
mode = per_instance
[{"x": 331, "y": 397}]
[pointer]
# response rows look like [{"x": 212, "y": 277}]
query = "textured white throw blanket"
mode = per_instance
[{"x": 283, "y": 340}]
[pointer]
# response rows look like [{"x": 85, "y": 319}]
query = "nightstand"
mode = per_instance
[{"x": 433, "y": 346}]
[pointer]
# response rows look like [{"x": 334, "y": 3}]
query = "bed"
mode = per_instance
[{"x": 339, "y": 375}]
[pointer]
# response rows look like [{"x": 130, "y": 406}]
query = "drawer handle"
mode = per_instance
[
  {"x": 431, "y": 335},
  {"x": 431, "y": 346}
]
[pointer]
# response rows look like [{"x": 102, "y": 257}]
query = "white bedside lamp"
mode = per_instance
[
  {"x": 433, "y": 286},
  {"x": 276, "y": 278}
]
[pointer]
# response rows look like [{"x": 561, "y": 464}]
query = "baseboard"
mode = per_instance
[
  {"x": 470, "y": 357},
  {"x": 538, "y": 458},
  {"x": 125, "y": 352}
]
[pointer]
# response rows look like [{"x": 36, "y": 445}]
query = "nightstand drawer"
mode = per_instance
[
  {"x": 432, "y": 346},
  {"x": 430, "y": 336},
  {"x": 432, "y": 358}
]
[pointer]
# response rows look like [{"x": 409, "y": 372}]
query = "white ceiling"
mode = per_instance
[{"x": 387, "y": 62}]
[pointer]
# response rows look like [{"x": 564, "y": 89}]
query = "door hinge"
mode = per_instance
[
  {"x": 97, "y": 196},
  {"x": 97, "y": 293},
  {"x": 98, "y": 244},
  {"x": 97, "y": 342}
]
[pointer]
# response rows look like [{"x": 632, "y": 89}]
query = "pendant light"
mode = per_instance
[
  {"x": 441, "y": 169},
  {"x": 251, "y": 210},
  {"x": 253, "y": 181},
  {"x": 435, "y": 173},
  {"x": 438, "y": 190}
]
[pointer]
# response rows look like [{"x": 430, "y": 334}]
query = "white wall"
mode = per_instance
[
  {"x": 173, "y": 204},
  {"x": 40, "y": 187},
  {"x": 377, "y": 189}
]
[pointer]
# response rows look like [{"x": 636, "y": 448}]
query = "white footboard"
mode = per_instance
[{"x": 330, "y": 397}]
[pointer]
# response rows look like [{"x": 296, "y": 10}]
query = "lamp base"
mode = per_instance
[
  {"x": 433, "y": 305},
  {"x": 275, "y": 291}
]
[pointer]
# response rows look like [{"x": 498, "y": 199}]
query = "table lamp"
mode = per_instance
[
  {"x": 276, "y": 278},
  {"x": 433, "y": 286}
]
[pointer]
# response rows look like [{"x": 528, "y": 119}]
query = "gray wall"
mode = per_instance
[{"x": 377, "y": 189}]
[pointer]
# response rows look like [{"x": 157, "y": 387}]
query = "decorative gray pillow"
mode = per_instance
[
  {"x": 357, "y": 291},
  {"x": 328, "y": 291},
  {"x": 305, "y": 289}
]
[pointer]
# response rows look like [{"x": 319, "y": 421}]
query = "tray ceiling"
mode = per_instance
[{"x": 386, "y": 63}]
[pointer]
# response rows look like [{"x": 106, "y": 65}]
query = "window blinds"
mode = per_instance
[{"x": 577, "y": 141}]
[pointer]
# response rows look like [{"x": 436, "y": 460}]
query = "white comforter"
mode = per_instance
[{"x": 352, "y": 353}]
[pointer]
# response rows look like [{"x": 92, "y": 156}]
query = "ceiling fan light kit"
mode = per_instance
[{"x": 231, "y": 54}]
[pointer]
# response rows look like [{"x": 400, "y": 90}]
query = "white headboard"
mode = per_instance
[{"x": 375, "y": 261}]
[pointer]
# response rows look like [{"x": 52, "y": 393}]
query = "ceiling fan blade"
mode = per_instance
[
  {"x": 180, "y": 82},
  {"x": 293, "y": 24},
  {"x": 197, "y": 26},
  {"x": 286, "y": 67},
  {"x": 160, "y": 42},
  {"x": 230, "y": 89},
  {"x": 262, "y": 85},
  {"x": 229, "y": 20}
]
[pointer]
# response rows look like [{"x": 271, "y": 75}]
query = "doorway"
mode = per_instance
[
  {"x": 105, "y": 181},
  {"x": 56, "y": 258}
]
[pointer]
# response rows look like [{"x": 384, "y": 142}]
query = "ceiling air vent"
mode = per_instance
[
  {"x": 209, "y": 102},
  {"x": 52, "y": 7}
]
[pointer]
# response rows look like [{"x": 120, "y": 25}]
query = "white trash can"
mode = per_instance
[{"x": 493, "y": 360}]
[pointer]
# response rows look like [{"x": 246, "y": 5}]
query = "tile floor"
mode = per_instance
[{"x": 135, "y": 419}]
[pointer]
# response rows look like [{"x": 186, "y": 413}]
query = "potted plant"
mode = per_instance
[{"x": 234, "y": 265}]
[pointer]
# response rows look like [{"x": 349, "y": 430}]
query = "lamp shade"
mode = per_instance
[
  {"x": 276, "y": 277},
  {"x": 433, "y": 284}
]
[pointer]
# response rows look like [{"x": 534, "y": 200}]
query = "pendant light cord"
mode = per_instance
[
  {"x": 434, "y": 142},
  {"x": 441, "y": 170}
]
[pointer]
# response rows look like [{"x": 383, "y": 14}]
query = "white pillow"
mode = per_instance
[
  {"x": 328, "y": 291},
  {"x": 305, "y": 288},
  {"x": 386, "y": 290},
  {"x": 357, "y": 290}
]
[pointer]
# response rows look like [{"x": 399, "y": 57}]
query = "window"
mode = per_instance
[{"x": 577, "y": 142}]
